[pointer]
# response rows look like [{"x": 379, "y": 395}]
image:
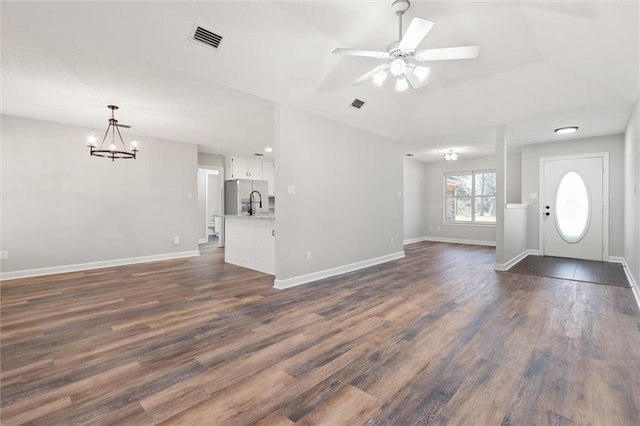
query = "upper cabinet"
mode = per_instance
[
  {"x": 245, "y": 168},
  {"x": 250, "y": 168}
]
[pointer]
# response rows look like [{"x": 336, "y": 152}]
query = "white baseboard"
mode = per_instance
[
  {"x": 27, "y": 273},
  {"x": 327, "y": 273},
  {"x": 450, "y": 240},
  {"x": 509, "y": 264},
  {"x": 632, "y": 281},
  {"x": 202, "y": 241},
  {"x": 534, "y": 252}
]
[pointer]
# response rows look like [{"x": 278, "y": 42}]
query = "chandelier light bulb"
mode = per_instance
[
  {"x": 112, "y": 147},
  {"x": 91, "y": 141},
  {"x": 379, "y": 77},
  {"x": 134, "y": 145},
  {"x": 401, "y": 84},
  {"x": 398, "y": 66}
]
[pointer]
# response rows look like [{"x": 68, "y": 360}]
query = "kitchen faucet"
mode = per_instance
[{"x": 251, "y": 201}]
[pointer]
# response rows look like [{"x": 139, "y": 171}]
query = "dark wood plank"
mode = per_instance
[{"x": 437, "y": 337}]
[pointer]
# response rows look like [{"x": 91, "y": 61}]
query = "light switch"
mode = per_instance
[
  {"x": 291, "y": 190},
  {"x": 533, "y": 195}
]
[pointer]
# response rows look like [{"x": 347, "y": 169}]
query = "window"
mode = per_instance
[{"x": 470, "y": 197}]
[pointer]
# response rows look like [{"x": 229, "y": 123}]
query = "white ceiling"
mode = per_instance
[{"x": 542, "y": 65}]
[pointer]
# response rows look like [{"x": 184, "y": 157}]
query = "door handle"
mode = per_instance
[
  {"x": 547, "y": 214},
  {"x": 547, "y": 207},
  {"x": 273, "y": 232}
]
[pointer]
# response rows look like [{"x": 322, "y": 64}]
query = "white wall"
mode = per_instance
[
  {"x": 346, "y": 207},
  {"x": 202, "y": 206},
  {"x": 214, "y": 160},
  {"x": 614, "y": 145},
  {"x": 415, "y": 199},
  {"x": 214, "y": 195},
  {"x": 632, "y": 194},
  {"x": 432, "y": 202},
  {"x": 63, "y": 207},
  {"x": 514, "y": 177},
  {"x": 515, "y": 236}
]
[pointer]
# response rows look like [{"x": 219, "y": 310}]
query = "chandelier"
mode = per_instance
[{"x": 114, "y": 150}]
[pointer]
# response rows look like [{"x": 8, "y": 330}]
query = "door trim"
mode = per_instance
[{"x": 605, "y": 197}]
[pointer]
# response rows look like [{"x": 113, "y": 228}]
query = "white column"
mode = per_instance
[{"x": 501, "y": 194}]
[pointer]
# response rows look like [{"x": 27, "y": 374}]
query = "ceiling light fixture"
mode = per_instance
[
  {"x": 421, "y": 73},
  {"x": 451, "y": 155},
  {"x": 566, "y": 130},
  {"x": 398, "y": 67},
  {"x": 379, "y": 77},
  {"x": 113, "y": 152},
  {"x": 401, "y": 84}
]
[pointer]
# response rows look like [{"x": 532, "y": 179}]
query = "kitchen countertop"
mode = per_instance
[{"x": 254, "y": 217}]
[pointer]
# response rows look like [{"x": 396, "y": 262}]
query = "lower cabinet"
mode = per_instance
[{"x": 251, "y": 243}]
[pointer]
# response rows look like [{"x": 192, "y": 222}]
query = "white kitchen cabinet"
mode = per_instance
[
  {"x": 245, "y": 168},
  {"x": 250, "y": 242},
  {"x": 238, "y": 168},
  {"x": 265, "y": 242},
  {"x": 254, "y": 168}
]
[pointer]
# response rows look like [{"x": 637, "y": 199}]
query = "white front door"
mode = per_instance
[{"x": 573, "y": 207}]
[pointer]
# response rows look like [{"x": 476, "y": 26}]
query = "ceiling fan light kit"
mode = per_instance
[
  {"x": 114, "y": 151},
  {"x": 401, "y": 55},
  {"x": 401, "y": 84}
]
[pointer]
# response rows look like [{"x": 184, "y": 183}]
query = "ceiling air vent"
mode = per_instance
[
  {"x": 357, "y": 103},
  {"x": 207, "y": 37}
]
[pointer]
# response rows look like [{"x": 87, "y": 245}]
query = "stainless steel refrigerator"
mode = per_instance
[{"x": 237, "y": 193}]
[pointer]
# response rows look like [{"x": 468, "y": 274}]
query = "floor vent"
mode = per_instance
[
  {"x": 357, "y": 103},
  {"x": 207, "y": 37}
]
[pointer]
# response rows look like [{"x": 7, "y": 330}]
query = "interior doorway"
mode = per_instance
[
  {"x": 574, "y": 206},
  {"x": 210, "y": 206}
]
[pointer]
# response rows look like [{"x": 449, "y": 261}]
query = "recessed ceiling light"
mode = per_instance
[
  {"x": 268, "y": 149},
  {"x": 410, "y": 155},
  {"x": 257, "y": 154},
  {"x": 566, "y": 130}
]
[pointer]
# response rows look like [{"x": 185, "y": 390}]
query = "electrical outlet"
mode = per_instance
[
  {"x": 393, "y": 240},
  {"x": 4, "y": 254},
  {"x": 176, "y": 241},
  {"x": 399, "y": 194},
  {"x": 308, "y": 255},
  {"x": 438, "y": 229},
  {"x": 431, "y": 228}
]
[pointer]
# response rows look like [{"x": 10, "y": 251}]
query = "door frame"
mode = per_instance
[{"x": 605, "y": 197}]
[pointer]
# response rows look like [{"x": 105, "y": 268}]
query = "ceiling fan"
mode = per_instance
[{"x": 401, "y": 56}]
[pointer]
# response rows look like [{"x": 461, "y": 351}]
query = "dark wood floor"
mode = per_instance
[
  {"x": 438, "y": 337},
  {"x": 607, "y": 273}
]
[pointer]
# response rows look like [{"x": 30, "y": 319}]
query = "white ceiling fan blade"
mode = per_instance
[
  {"x": 367, "y": 76},
  {"x": 417, "y": 79},
  {"x": 464, "y": 52},
  {"x": 418, "y": 29},
  {"x": 356, "y": 52}
]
